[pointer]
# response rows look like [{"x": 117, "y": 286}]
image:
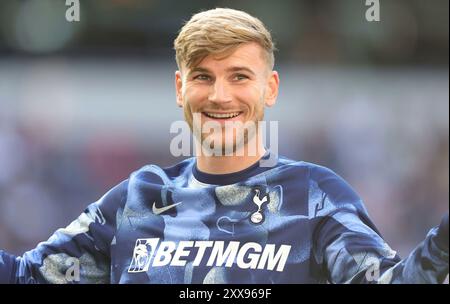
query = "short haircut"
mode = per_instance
[{"x": 219, "y": 32}]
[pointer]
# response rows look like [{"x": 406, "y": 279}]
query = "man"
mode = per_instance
[{"x": 223, "y": 216}]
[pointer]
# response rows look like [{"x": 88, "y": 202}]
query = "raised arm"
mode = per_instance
[
  {"x": 79, "y": 253},
  {"x": 351, "y": 250}
]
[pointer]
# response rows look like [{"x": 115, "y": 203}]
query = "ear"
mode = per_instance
[
  {"x": 272, "y": 86},
  {"x": 179, "y": 88}
]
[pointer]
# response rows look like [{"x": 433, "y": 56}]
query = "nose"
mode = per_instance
[{"x": 219, "y": 92}]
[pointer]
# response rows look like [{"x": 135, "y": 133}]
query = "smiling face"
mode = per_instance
[{"x": 228, "y": 88}]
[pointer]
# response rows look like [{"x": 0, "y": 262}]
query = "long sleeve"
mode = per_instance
[
  {"x": 79, "y": 253},
  {"x": 351, "y": 250}
]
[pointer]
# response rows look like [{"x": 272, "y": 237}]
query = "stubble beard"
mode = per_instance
[{"x": 239, "y": 140}]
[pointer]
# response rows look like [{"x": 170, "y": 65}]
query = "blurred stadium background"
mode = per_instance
[{"x": 84, "y": 104}]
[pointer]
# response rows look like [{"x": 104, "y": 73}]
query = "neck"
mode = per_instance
[{"x": 232, "y": 163}]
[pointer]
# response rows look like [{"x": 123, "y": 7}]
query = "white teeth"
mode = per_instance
[{"x": 224, "y": 115}]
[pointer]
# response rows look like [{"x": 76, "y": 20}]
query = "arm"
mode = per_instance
[
  {"x": 78, "y": 253},
  {"x": 355, "y": 253},
  {"x": 351, "y": 250}
]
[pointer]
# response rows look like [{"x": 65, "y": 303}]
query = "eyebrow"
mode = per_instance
[
  {"x": 232, "y": 69},
  {"x": 240, "y": 68}
]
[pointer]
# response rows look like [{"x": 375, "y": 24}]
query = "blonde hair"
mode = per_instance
[{"x": 220, "y": 31}]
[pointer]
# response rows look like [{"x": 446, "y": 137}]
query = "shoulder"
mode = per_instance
[
  {"x": 162, "y": 175},
  {"x": 323, "y": 181},
  {"x": 114, "y": 198},
  {"x": 328, "y": 180}
]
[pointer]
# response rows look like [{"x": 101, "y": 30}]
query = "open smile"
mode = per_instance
[{"x": 215, "y": 115}]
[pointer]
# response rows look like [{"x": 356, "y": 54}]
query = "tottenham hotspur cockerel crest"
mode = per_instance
[{"x": 257, "y": 217}]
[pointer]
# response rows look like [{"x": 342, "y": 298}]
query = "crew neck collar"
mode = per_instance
[{"x": 230, "y": 178}]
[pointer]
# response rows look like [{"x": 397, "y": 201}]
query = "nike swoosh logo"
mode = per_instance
[{"x": 157, "y": 211}]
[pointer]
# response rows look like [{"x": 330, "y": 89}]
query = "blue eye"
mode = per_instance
[
  {"x": 202, "y": 77},
  {"x": 240, "y": 77}
]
